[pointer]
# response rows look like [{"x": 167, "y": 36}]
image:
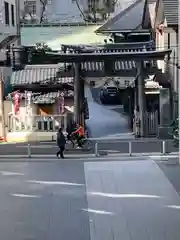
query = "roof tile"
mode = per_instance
[
  {"x": 171, "y": 11},
  {"x": 38, "y": 75}
]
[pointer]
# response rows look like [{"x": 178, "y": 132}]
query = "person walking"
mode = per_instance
[{"x": 61, "y": 142}]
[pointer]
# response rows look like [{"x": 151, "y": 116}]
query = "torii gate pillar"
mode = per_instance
[
  {"x": 77, "y": 96},
  {"x": 141, "y": 98}
]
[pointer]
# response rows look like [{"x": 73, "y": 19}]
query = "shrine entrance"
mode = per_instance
[{"x": 144, "y": 64}]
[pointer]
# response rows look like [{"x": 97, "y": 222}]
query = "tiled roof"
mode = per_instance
[
  {"x": 58, "y": 66},
  {"x": 121, "y": 64},
  {"x": 126, "y": 20},
  {"x": 38, "y": 75},
  {"x": 171, "y": 11},
  {"x": 99, "y": 66}
]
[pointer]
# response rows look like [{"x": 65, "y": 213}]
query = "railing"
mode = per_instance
[
  {"x": 130, "y": 148},
  {"x": 99, "y": 148},
  {"x": 48, "y": 123}
]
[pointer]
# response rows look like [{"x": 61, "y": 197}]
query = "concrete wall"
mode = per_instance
[
  {"x": 30, "y": 136},
  {"x": 6, "y": 30},
  {"x": 160, "y": 46}
]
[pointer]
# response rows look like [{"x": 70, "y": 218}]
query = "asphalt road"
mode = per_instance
[
  {"x": 138, "y": 146},
  {"x": 102, "y": 120},
  {"x": 129, "y": 200}
]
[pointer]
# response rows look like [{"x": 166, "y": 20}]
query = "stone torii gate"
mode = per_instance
[{"x": 139, "y": 57}]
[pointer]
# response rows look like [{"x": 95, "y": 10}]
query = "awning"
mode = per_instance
[{"x": 86, "y": 35}]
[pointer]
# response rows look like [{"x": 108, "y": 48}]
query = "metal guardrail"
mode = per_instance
[
  {"x": 97, "y": 151},
  {"x": 130, "y": 152}
]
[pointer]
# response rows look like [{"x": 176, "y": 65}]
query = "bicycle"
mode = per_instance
[{"x": 86, "y": 143}]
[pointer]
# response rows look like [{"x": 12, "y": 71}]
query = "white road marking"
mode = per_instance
[
  {"x": 24, "y": 195},
  {"x": 112, "y": 195},
  {"x": 111, "y": 151},
  {"x": 55, "y": 183},
  {"x": 97, "y": 211},
  {"x": 4, "y": 173}
]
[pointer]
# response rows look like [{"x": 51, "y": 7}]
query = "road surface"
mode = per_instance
[
  {"x": 104, "y": 121},
  {"x": 129, "y": 200}
]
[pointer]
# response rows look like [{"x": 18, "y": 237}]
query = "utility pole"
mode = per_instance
[
  {"x": 77, "y": 92},
  {"x": 18, "y": 23},
  {"x": 141, "y": 97},
  {"x": 2, "y": 119},
  {"x": 178, "y": 82}
]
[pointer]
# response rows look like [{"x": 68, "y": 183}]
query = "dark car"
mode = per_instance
[{"x": 109, "y": 95}]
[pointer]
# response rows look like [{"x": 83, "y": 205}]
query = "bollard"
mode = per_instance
[
  {"x": 164, "y": 147},
  {"x": 130, "y": 148},
  {"x": 29, "y": 151},
  {"x": 96, "y": 149}
]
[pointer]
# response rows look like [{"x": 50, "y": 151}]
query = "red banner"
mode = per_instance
[{"x": 16, "y": 102}]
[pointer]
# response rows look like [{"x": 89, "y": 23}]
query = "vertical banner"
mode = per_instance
[
  {"x": 28, "y": 95},
  {"x": 16, "y": 103},
  {"x": 29, "y": 110},
  {"x": 60, "y": 104}
]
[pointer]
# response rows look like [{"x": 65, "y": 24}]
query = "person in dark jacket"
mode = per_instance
[{"x": 61, "y": 142}]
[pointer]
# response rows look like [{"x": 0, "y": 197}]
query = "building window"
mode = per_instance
[
  {"x": 6, "y": 11},
  {"x": 12, "y": 15},
  {"x": 31, "y": 5},
  {"x": 92, "y": 5}
]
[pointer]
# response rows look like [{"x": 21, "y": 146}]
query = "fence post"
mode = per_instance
[
  {"x": 29, "y": 150},
  {"x": 96, "y": 149},
  {"x": 130, "y": 148},
  {"x": 164, "y": 147}
]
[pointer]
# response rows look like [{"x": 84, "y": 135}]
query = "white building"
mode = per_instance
[
  {"x": 7, "y": 17},
  {"x": 8, "y": 27}
]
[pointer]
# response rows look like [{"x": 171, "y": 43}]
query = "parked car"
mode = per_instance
[{"x": 109, "y": 95}]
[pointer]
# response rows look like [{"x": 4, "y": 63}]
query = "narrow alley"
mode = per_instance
[{"x": 105, "y": 122}]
